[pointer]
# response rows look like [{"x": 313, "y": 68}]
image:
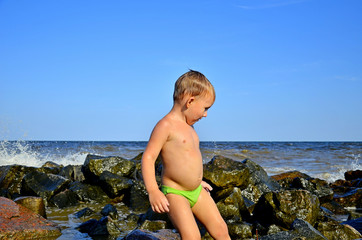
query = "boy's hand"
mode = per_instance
[
  {"x": 159, "y": 202},
  {"x": 206, "y": 186}
]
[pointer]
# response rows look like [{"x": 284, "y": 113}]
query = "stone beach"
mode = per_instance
[{"x": 291, "y": 205}]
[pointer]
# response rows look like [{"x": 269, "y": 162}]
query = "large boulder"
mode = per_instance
[
  {"x": 43, "y": 185},
  {"x": 35, "y": 204},
  {"x": 283, "y": 207},
  {"x": 103, "y": 227},
  {"x": 337, "y": 231},
  {"x": 114, "y": 184},
  {"x": 18, "y": 222},
  {"x": 224, "y": 172},
  {"x": 94, "y": 166},
  {"x": 11, "y": 177},
  {"x": 87, "y": 192}
]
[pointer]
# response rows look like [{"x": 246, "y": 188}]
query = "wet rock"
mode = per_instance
[
  {"x": 300, "y": 230},
  {"x": 225, "y": 173},
  {"x": 11, "y": 177},
  {"x": 336, "y": 231},
  {"x": 43, "y": 185},
  {"x": 353, "y": 175},
  {"x": 240, "y": 230},
  {"x": 163, "y": 234},
  {"x": 153, "y": 225},
  {"x": 113, "y": 184},
  {"x": 286, "y": 179},
  {"x": 232, "y": 206},
  {"x": 85, "y": 212},
  {"x": 283, "y": 207},
  {"x": 352, "y": 198},
  {"x": 50, "y": 167},
  {"x": 88, "y": 193},
  {"x": 110, "y": 210},
  {"x": 35, "y": 204},
  {"x": 335, "y": 211},
  {"x": 18, "y": 222},
  {"x": 94, "y": 166},
  {"x": 73, "y": 173},
  {"x": 104, "y": 226},
  {"x": 355, "y": 223},
  {"x": 138, "y": 199},
  {"x": 64, "y": 199},
  {"x": 318, "y": 187},
  {"x": 153, "y": 216}
]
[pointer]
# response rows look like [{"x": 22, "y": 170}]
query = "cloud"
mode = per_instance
[{"x": 269, "y": 4}]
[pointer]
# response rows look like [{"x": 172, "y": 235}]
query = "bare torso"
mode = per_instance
[{"x": 182, "y": 160}]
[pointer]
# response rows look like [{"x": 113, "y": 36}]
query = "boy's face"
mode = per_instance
[{"x": 197, "y": 108}]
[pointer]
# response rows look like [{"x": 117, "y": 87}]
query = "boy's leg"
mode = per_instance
[
  {"x": 206, "y": 212},
  {"x": 182, "y": 217}
]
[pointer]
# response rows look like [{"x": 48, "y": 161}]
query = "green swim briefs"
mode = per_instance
[{"x": 191, "y": 196}]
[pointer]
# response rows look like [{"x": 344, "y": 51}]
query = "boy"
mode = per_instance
[{"x": 183, "y": 194}]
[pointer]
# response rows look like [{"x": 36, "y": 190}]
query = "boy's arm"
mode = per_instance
[{"x": 158, "y": 200}]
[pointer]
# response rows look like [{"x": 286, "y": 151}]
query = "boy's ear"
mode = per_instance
[{"x": 190, "y": 101}]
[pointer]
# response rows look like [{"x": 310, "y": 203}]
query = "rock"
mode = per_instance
[
  {"x": 352, "y": 198},
  {"x": 355, "y": 223},
  {"x": 153, "y": 225},
  {"x": 43, "y": 185},
  {"x": 318, "y": 187},
  {"x": 163, "y": 234},
  {"x": 224, "y": 172},
  {"x": 105, "y": 226},
  {"x": 283, "y": 207},
  {"x": 232, "y": 206},
  {"x": 11, "y": 178},
  {"x": 18, "y": 222},
  {"x": 240, "y": 230},
  {"x": 335, "y": 211},
  {"x": 64, "y": 199},
  {"x": 337, "y": 231},
  {"x": 285, "y": 179},
  {"x": 300, "y": 230},
  {"x": 88, "y": 193},
  {"x": 113, "y": 184},
  {"x": 110, "y": 210},
  {"x": 73, "y": 173},
  {"x": 138, "y": 199},
  {"x": 94, "y": 166},
  {"x": 353, "y": 175},
  {"x": 85, "y": 212},
  {"x": 35, "y": 204}
]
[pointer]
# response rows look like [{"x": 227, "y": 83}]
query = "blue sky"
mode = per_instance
[{"x": 283, "y": 70}]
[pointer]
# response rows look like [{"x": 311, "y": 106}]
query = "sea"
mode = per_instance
[{"x": 325, "y": 160}]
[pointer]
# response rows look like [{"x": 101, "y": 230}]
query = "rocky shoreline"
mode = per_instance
[{"x": 287, "y": 206}]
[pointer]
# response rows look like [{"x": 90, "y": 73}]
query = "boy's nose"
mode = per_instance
[{"x": 205, "y": 114}]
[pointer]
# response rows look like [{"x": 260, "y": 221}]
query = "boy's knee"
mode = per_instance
[
  {"x": 191, "y": 235},
  {"x": 222, "y": 232}
]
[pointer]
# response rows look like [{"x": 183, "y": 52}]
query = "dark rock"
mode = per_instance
[
  {"x": 110, "y": 210},
  {"x": 232, "y": 206},
  {"x": 337, "y": 231},
  {"x": 300, "y": 230},
  {"x": 355, "y": 223},
  {"x": 353, "y": 175},
  {"x": 283, "y": 207},
  {"x": 352, "y": 198},
  {"x": 43, "y": 185},
  {"x": 64, "y": 199},
  {"x": 285, "y": 179},
  {"x": 105, "y": 226},
  {"x": 163, "y": 234},
  {"x": 318, "y": 187},
  {"x": 50, "y": 164},
  {"x": 88, "y": 193},
  {"x": 85, "y": 212},
  {"x": 138, "y": 197},
  {"x": 94, "y": 166},
  {"x": 153, "y": 225},
  {"x": 18, "y": 222},
  {"x": 153, "y": 216},
  {"x": 11, "y": 178},
  {"x": 335, "y": 211},
  {"x": 224, "y": 172},
  {"x": 35, "y": 204},
  {"x": 73, "y": 173},
  {"x": 240, "y": 230},
  {"x": 113, "y": 184}
]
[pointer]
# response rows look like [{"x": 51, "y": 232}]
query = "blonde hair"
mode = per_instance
[{"x": 192, "y": 83}]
